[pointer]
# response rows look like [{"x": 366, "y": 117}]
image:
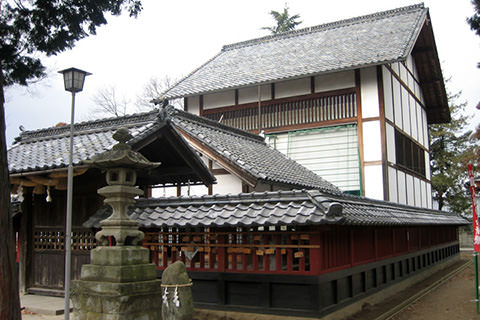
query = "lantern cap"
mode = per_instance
[{"x": 74, "y": 79}]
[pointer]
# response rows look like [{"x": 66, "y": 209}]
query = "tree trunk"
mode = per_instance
[{"x": 9, "y": 298}]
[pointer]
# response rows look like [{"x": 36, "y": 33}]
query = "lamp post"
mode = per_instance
[{"x": 73, "y": 79}]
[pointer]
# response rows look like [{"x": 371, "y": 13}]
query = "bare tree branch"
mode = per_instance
[
  {"x": 109, "y": 103},
  {"x": 154, "y": 89}
]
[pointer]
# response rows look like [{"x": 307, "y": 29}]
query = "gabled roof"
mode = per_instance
[
  {"x": 374, "y": 39},
  {"x": 296, "y": 207},
  {"x": 247, "y": 154},
  {"x": 243, "y": 153},
  {"x": 46, "y": 150}
]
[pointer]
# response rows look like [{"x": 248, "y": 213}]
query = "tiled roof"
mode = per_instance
[
  {"x": 249, "y": 152},
  {"x": 367, "y": 40},
  {"x": 48, "y": 148},
  {"x": 296, "y": 207}
]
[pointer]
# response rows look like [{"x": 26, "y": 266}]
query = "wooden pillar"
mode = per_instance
[
  {"x": 26, "y": 242},
  {"x": 315, "y": 254}
]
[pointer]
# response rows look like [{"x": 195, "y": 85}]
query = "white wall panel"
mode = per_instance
[
  {"x": 372, "y": 143},
  {"x": 397, "y": 103},
  {"x": 392, "y": 184},
  {"x": 250, "y": 94},
  {"x": 194, "y": 105},
  {"x": 395, "y": 67},
  {"x": 425, "y": 130},
  {"x": 413, "y": 118},
  {"x": 390, "y": 132},
  {"x": 402, "y": 187},
  {"x": 429, "y": 196},
  {"x": 292, "y": 88},
  {"x": 423, "y": 189},
  {"x": 410, "y": 190},
  {"x": 418, "y": 109},
  {"x": 403, "y": 73},
  {"x": 387, "y": 94},
  {"x": 427, "y": 165},
  {"x": 227, "y": 183},
  {"x": 418, "y": 192},
  {"x": 331, "y": 152},
  {"x": 335, "y": 81},
  {"x": 369, "y": 92},
  {"x": 374, "y": 182},
  {"x": 406, "y": 111},
  {"x": 220, "y": 99}
]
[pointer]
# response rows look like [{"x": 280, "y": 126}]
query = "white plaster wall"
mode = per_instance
[
  {"x": 194, "y": 105},
  {"x": 374, "y": 182},
  {"x": 410, "y": 190},
  {"x": 429, "y": 196},
  {"x": 390, "y": 133},
  {"x": 250, "y": 94},
  {"x": 219, "y": 99},
  {"x": 423, "y": 190},
  {"x": 406, "y": 111},
  {"x": 402, "y": 189},
  {"x": 427, "y": 166},
  {"x": 392, "y": 182},
  {"x": 227, "y": 183},
  {"x": 387, "y": 94},
  {"x": 395, "y": 67},
  {"x": 418, "y": 192},
  {"x": 413, "y": 118},
  {"x": 418, "y": 110},
  {"x": 425, "y": 130},
  {"x": 397, "y": 103},
  {"x": 369, "y": 92},
  {"x": 335, "y": 81},
  {"x": 372, "y": 143},
  {"x": 292, "y": 88}
]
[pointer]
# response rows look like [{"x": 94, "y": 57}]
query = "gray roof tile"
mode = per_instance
[
  {"x": 48, "y": 148},
  {"x": 296, "y": 207},
  {"x": 368, "y": 40}
]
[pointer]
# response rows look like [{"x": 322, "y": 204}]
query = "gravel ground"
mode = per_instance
[
  {"x": 455, "y": 299},
  {"x": 452, "y": 300}
]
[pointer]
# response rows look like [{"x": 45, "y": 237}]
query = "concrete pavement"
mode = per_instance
[{"x": 42, "y": 307}]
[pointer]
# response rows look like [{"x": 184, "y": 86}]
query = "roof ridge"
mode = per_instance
[
  {"x": 258, "y": 196},
  {"x": 84, "y": 126},
  {"x": 218, "y": 126},
  {"x": 325, "y": 26}
]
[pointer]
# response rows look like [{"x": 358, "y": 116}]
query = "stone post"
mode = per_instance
[
  {"x": 177, "y": 300},
  {"x": 119, "y": 283}
]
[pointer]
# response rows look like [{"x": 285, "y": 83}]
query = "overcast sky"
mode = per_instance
[{"x": 172, "y": 38}]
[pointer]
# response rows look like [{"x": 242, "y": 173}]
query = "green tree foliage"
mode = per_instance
[
  {"x": 474, "y": 21},
  {"x": 284, "y": 21},
  {"x": 452, "y": 147},
  {"x": 28, "y": 30}
]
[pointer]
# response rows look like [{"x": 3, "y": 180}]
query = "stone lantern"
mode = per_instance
[
  {"x": 121, "y": 165},
  {"x": 120, "y": 282}
]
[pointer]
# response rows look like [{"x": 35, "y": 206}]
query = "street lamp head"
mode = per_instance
[{"x": 74, "y": 79}]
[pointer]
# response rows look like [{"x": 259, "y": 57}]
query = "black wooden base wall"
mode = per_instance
[{"x": 309, "y": 295}]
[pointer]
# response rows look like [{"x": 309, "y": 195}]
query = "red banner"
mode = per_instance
[{"x": 476, "y": 228}]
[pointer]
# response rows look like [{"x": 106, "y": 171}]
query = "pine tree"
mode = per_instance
[
  {"x": 452, "y": 147},
  {"x": 27, "y": 29},
  {"x": 474, "y": 21},
  {"x": 284, "y": 21}
]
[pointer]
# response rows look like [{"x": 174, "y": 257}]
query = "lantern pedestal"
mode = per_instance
[{"x": 120, "y": 283}]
